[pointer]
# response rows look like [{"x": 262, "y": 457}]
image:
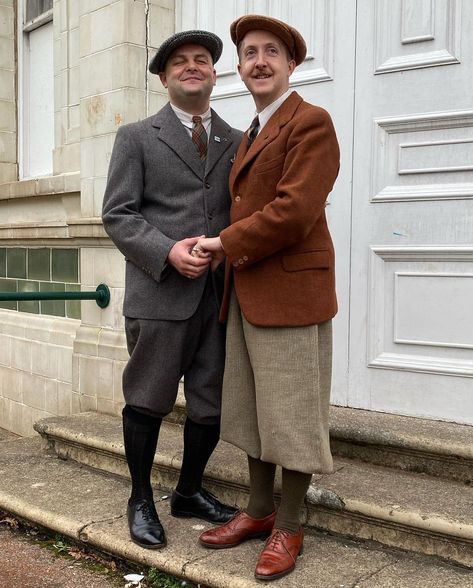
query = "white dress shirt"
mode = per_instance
[
  {"x": 186, "y": 119},
  {"x": 268, "y": 112}
]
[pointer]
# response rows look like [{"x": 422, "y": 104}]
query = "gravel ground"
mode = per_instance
[{"x": 25, "y": 564}]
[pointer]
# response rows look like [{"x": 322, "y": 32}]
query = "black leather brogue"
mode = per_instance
[
  {"x": 144, "y": 524},
  {"x": 201, "y": 505}
]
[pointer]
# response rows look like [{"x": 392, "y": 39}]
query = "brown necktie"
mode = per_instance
[
  {"x": 199, "y": 136},
  {"x": 253, "y": 131}
]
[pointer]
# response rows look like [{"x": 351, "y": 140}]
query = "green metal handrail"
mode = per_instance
[{"x": 101, "y": 295}]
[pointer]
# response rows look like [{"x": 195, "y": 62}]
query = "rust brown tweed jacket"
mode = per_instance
[{"x": 278, "y": 246}]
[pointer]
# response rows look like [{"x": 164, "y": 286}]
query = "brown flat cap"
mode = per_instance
[
  {"x": 292, "y": 38},
  {"x": 208, "y": 40}
]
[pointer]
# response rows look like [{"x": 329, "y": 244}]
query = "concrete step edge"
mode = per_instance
[{"x": 325, "y": 508}]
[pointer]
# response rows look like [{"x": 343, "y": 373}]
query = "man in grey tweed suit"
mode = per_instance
[{"x": 167, "y": 186}]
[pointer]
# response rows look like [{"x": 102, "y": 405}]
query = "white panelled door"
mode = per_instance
[
  {"x": 396, "y": 76},
  {"x": 411, "y": 328},
  {"x": 325, "y": 78}
]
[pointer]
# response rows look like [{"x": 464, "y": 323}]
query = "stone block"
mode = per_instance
[
  {"x": 7, "y": 83},
  {"x": 64, "y": 53},
  {"x": 7, "y": 115},
  {"x": 68, "y": 158},
  {"x": 64, "y": 368},
  {"x": 7, "y": 21},
  {"x": 112, "y": 345},
  {"x": 21, "y": 354},
  {"x": 8, "y": 141},
  {"x": 51, "y": 396},
  {"x": 73, "y": 10},
  {"x": 64, "y": 398},
  {"x": 106, "y": 406},
  {"x": 87, "y": 403},
  {"x": 5, "y": 350},
  {"x": 44, "y": 360},
  {"x": 109, "y": 267},
  {"x": 96, "y": 377},
  {"x": 156, "y": 101},
  {"x": 120, "y": 66},
  {"x": 11, "y": 384},
  {"x": 33, "y": 390},
  {"x": 121, "y": 22},
  {"x": 8, "y": 172},
  {"x": 5, "y": 413},
  {"x": 74, "y": 91},
  {"x": 7, "y": 58},
  {"x": 75, "y": 403},
  {"x": 73, "y": 48},
  {"x": 104, "y": 113},
  {"x": 118, "y": 367},
  {"x": 95, "y": 155},
  {"x": 161, "y": 24},
  {"x": 20, "y": 419},
  {"x": 87, "y": 340},
  {"x": 100, "y": 183}
]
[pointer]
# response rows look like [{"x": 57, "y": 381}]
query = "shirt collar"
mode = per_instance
[
  {"x": 268, "y": 112},
  {"x": 186, "y": 118}
]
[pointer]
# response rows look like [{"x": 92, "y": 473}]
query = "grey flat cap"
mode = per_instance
[{"x": 205, "y": 38}]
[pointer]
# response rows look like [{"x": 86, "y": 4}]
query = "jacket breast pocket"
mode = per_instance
[
  {"x": 307, "y": 260},
  {"x": 270, "y": 165}
]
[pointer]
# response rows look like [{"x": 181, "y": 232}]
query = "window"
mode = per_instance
[{"x": 36, "y": 88}]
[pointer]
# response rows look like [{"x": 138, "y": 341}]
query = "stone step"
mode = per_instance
[
  {"x": 409, "y": 510},
  {"x": 89, "y": 506},
  {"x": 412, "y": 444},
  {"x": 407, "y": 443}
]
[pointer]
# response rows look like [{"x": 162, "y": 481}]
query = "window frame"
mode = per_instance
[{"x": 23, "y": 87}]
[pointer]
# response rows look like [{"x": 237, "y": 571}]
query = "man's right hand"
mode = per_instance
[{"x": 180, "y": 257}]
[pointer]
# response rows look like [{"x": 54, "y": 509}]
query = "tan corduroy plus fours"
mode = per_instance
[{"x": 275, "y": 407}]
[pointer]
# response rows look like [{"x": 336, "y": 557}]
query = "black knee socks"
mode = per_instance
[
  {"x": 140, "y": 434},
  {"x": 199, "y": 443}
]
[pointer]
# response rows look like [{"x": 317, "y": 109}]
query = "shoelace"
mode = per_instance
[
  {"x": 147, "y": 511},
  {"x": 276, "y": 539}
]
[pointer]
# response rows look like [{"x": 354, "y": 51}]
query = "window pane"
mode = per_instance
[
  {"x": 39, "y": 134},
  {"x": 36, "y": 7}
]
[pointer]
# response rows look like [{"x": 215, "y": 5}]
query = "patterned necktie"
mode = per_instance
[
  {"x": 253, "y": 131},
  {"x": 199, "y": 136}
]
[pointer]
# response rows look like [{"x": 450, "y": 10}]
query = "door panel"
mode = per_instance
[{"x": 411, "y": 348}]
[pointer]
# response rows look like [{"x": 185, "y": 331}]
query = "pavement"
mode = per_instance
[
  {"x": 89, "y": 506},
  {"x": 25, "y": 564}
]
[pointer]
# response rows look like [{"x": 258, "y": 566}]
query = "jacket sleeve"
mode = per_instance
[
  {"x": 310, "y": 168},
  {"x": 140, "y": 242}
]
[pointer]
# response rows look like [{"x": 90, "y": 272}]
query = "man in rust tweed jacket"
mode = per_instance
[{"x": 279, "y": 295}]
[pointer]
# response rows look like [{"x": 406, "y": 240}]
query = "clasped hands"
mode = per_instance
[{"x": 191, "y": 257}]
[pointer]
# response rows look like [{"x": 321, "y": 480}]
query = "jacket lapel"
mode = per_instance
[
  {"x": 269, "y": 133},
  {"x": 220, "y": 139},
  {"x": 172, "y": 132}
]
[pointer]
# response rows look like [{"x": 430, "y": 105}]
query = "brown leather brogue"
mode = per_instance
[
  {"x": 238, "y": 529},
  {"x": 278, "y": 557}
]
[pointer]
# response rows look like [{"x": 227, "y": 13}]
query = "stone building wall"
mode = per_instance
[{"x": 52, "y": 364}]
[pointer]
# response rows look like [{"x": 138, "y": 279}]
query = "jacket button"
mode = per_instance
[
  {"x": 237, "y": 198},
  {"x": 245, "y": 258},
  {"x": 207, "y": 185},
  {"x": 235, "y": 264},
  {"x": 240, "y": 261}
]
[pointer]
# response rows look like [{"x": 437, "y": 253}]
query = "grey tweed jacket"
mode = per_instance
[{"x": 159, "y": 192}]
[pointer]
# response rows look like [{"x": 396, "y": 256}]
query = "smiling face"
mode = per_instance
[
  {"x": 189, "y": 78},
  {"x": 265, "y": 66}
]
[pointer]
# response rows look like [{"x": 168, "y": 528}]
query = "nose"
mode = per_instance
[{"x": 260, "y": 59}]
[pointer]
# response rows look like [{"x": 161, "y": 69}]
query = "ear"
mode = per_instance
[
  {"x": 162, "y": 77},
  {"x": 239, "y": 69},
  {"x": 214, "y": 76},
  {"x": 291, "y": 66}
]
